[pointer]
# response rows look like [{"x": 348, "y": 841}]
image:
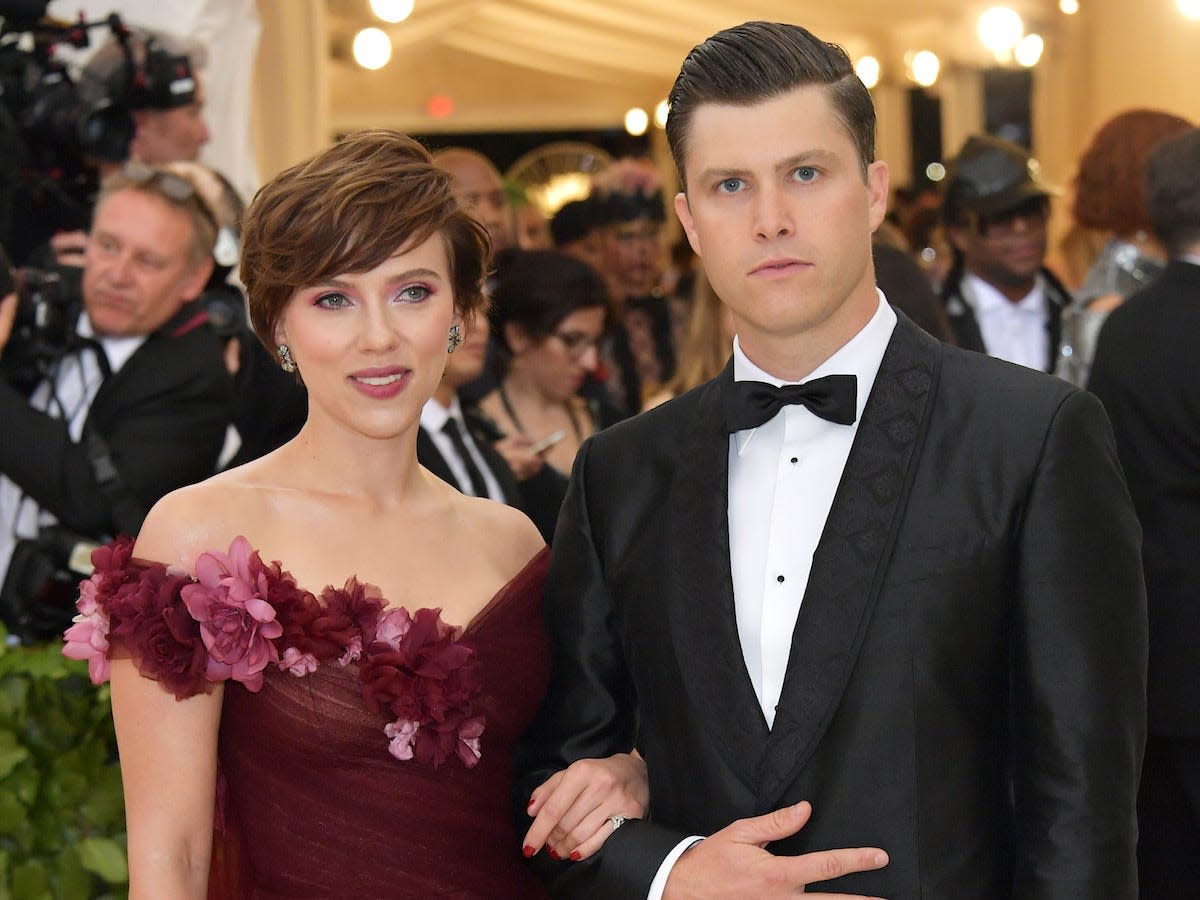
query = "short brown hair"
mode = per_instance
[
  {"x": 347, "y": 210},
  {"x": 1110, "y": 187},
  {"x": 756, "y": 61},
  {"x": 1173, "y": 192},
  {"x": 178, "y": 191}
]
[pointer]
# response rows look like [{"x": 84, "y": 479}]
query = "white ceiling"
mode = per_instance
[{"x": 515, "y": 64}]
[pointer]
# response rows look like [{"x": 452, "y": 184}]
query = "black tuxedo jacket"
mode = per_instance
[
  {"x": 964, "y": 327},
  {"x": 162, "y": 418},
  {"x": 966, "y": 680},
  {"x": 1145, "y": 373}
]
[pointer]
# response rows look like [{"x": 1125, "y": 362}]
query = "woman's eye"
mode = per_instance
[
  {"x": 333, "y": 301},
  {"x": 415, "y": 293}
]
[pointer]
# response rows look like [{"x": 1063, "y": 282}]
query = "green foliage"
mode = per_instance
[{"x": 62, "y": 818}]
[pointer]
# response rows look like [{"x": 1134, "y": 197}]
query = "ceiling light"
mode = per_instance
[
  {"x": 925, "y": 67},
  {"x": 392, "y": 10},
  {"x": 661, "y": 112},
  {"x": 1000, "y": 28},
  {"x": 1068, "y": 7},
  {"x": 935, "y": 171},
  {"x": 1029, "y": 50},
  {"x": 1190, "y": 8},
  {"x": 372, "y": 48},
  {"x": 636, "y": 121},
  {"x": 867, "y": 70}
]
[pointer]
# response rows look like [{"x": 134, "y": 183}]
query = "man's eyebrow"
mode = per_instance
[{"x": 803, "y": 158}]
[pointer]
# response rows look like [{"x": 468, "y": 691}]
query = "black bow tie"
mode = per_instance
[{"x": 749, "y": 404}]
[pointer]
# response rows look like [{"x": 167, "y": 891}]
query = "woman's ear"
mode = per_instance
[{"x": 516, "y": 338}]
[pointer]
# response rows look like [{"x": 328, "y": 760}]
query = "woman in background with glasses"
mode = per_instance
[{"x": 549, "y": 315}]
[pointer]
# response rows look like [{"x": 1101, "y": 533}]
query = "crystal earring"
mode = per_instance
[
  {"x": 455, "y": 339},
  {"x": 285, "y": 359}
]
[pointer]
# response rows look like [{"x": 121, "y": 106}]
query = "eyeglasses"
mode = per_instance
[
  {"x": 1033, "y": 211},
  {"x": 170, "y": 186},
  {"x": 577, "y": 343}
]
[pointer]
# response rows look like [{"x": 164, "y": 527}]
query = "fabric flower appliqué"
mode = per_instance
[{"x": 239, "y": 616}]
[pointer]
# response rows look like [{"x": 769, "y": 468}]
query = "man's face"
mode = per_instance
[
  {"x": 478, "y": 188},
  {"x": 137, "y": 269},
  {"x": 781, "y": 216},
  {"x": 1006, "y": 250},
  {"x": 633, "y": 254},
  {"x": 170, "y": 135}
]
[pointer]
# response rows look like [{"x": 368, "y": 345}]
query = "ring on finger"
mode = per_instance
[{"x": 617, "y": 821}]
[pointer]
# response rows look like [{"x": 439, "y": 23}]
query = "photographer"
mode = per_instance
[{"x": 133, "y": 404}]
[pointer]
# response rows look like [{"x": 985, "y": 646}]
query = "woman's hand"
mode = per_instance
[{"x": 572, "y": 808}]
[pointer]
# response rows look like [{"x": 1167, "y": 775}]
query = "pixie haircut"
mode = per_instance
[
  {"x": 1173, "y": 192},
  {"x": 348, "y": 209},
  {"x": 757, "y": 61},
  {"x": 1110, "y": 187},
  {"x": 536, "y": 289}
]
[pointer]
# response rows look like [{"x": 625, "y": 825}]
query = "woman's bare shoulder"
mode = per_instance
[{"x": 503, "y": 533}]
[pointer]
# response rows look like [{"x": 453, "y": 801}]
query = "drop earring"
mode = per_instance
[
  {"x": 455, "y": 339},
  {"x": 285, "y": 359}
]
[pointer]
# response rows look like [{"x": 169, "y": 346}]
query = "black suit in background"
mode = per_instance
[
  {"x": 965, "y": 686},
  {"x": 1145, "y": 372},
  {"x": 162, "y": 416},
  {"x": 539, "y": 496}
]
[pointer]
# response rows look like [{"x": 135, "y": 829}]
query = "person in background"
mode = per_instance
[
  {"x": 578, "y": 231},
  {"x": 998, "y": 296},
  {"x": 1110, "y": 199},
  {"x": 480, "y": 191},
  {"x": 1145, "y": 374},
  {"x": 705, "y": 349}
]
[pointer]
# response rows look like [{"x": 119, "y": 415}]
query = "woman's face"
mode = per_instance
[
  {"x": 559, "y": 362},
  {"x": 371, "y": 346}
]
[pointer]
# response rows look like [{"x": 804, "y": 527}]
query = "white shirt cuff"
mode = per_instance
[{"x": 659, "y": 884}]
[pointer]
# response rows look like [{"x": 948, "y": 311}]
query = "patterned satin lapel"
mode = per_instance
[
  {"x": 852, "y": 556},
  {"x": 699, "y": 588}
]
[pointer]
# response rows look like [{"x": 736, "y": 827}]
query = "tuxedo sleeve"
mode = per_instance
[
  {"x": 1079, "y": 667},
  {"x": 589, "y": 710}
]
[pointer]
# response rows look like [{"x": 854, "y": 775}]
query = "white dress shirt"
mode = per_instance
[
  {"x": 433, "y": 420},
  {"x": 1012, "y": 331},
  {"x": 782, "y": 479},
  {"x": 70, "y": 396}
]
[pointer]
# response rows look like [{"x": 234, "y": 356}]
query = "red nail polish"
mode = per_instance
[
  {"x": 528, "y": 851},
  {"x": 575, "y": 857},
  {"x": 530, "y": 803},
  {"x": 554, "y": 856}
]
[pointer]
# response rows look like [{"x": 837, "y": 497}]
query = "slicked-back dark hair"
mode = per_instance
[
  {"x": 756, "y": 61},
  {"x": 1173, "y": 192}
]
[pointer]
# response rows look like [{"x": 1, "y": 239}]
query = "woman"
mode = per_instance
[
  {"x": 1110, "y": 200},
  {"x": 707, "y": 346},
  {"x": 549, "y": 315},
  {"x": 366, "y": 750}
]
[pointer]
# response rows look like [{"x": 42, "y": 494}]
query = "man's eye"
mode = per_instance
[
  {"x": 806, "y": 174},
  {"x": 730, "y": 185},
  {"x": 333, "y": 300}
]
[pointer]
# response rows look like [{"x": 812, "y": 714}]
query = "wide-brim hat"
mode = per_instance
[{"x": 991, "y": 176}]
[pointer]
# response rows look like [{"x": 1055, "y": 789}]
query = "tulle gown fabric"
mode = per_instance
[
  {"x": 310, "y": 803},
  {"x": 313, "y": 805}
]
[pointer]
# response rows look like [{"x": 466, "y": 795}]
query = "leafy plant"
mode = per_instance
[{"x": 62, "y": 817}]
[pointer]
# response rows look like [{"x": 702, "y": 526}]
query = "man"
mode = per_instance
[
  {"x": 466, "y": 450},
  {"x": 924, "y": 615},
  {"x": 477, "y": 186},
  {"x": 136, "y": 404},
  {"x": 578, "y": 231},
  {"x": 1145, "y": 373},
  {"x": 999, "y": 297}
]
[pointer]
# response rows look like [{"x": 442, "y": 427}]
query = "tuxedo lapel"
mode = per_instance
[
  {"x": 852, "y": 556},
  {"x": 699, "y": 590}
]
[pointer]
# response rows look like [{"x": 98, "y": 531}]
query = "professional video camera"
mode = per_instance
[{"x": 54, "y": 129}]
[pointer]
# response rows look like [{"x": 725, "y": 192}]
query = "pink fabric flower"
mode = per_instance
[
  {"x": 236, "y": 624},
  {"x": 88, "y": 637},
  {"x": 297, "y": 663},
  {"x": 402, "y": 733}
]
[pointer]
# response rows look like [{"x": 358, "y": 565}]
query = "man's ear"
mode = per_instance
[
  {"x": 196, "y": 278},
  {"x": 684, "y": 211},
  {"x": 516, "y": 338},
  {"x": 877, "y": 192},
  {"x": 957, "y": 237}
]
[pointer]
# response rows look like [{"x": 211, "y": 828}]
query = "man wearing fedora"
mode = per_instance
[{"x": 1000, "y": 299}]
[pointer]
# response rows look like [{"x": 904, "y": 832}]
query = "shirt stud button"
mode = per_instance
[{"x": 779, "y": 578}]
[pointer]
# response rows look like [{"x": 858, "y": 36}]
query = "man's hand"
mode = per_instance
[
  {"x": 733, "y": 863},
  {"x": 572, "y": 808},
  {"x": 8, "y": 314},
  {"x": 69, "y": 247}
]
